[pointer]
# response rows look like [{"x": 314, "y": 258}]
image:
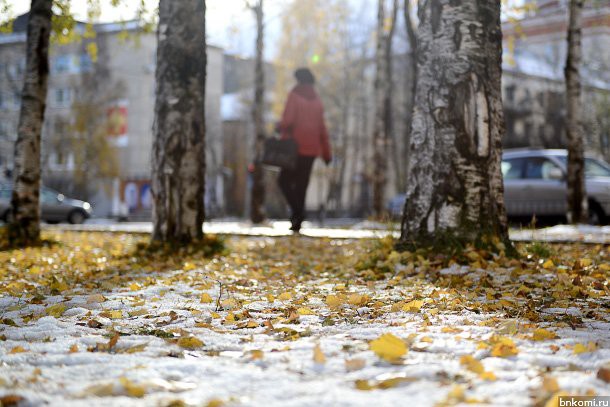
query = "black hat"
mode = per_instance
[{"x": 304, "y": 76}]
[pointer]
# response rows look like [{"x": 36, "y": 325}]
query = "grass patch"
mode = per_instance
[{"x": 539, "y": 250}]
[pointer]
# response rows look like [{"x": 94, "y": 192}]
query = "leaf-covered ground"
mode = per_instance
[{"x": 97, "y": 320}]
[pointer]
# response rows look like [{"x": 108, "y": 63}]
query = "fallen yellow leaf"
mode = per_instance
[
  {"x": 354, "y": 364},
  {"x": 56, "y": 310},
  {"x": 229, "y": 303},
  {"x": 580, "y": 348},
  {"x": 363, "y": 385},
  {"x": 305, "y": 311},
  {"x": 503, "y": 347},
  {"x": 472, "y": 364},
  {"x": 550, "y": 385},
  {"x": 542, "y": 335},
  {"x": 132, "y": 389},
  {"x": 413, "y": 306},
  {"x": 548, "y": 264},
  {"x": 333, "y": 301},
  {"x": 205, "y": 298},
  {"x": 388, "y": 347},
  {"x": 116, "y": 314},
  {"x": 256, "y": 354},
  {"x": 189, "y": 342},
  {"x": 357, "y": 299},
  {"x": 489, "y": 376},
  {"x": 93, "y": 298},
  {"x": 318, "y": 355}
]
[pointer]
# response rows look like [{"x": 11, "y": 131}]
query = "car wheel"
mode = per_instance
[
  {"x": 596, "y": 214},
  {"x": 76, "y": 217}
]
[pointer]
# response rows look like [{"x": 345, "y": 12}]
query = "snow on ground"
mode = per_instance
[{"x": 305, "y": 341}]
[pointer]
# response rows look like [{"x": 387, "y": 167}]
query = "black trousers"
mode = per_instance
[{"x": 293, "y": 184}]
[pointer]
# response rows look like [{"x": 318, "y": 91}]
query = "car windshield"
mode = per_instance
[{"x": 593, "y": 167}]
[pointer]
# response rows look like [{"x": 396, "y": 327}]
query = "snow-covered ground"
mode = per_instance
[{"x": 287, "y": 332}]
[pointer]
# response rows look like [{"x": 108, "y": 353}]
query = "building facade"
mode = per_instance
[
  {"x": 97, "y": 134},
  {"x": 533, "y": 79}
]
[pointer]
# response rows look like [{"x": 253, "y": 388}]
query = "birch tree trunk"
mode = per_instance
[
  {"x": 257, "y": 211},
  {"x": 577, "y": 196},
  {"x": 24, "y": 228},
  {"x": 178, "y": 157},
  {"x": 410, "y": 92},
  {"x": 388, "y": 97},
  {"x": 379, "y": 137},
  {"x": 455, "y": 191}
]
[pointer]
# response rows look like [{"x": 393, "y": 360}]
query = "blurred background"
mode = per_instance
[{"x": 97, "y": 134}]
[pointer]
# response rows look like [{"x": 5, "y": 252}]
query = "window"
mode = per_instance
[
  {"x": 513, "y": 168},
  {"x": 60, "y": 64},
  {"x": 7, "y": 129},
  {"x": 86, "y": 64},
  {"x": 60, "y": 127},
  {"x": 11, "y": 71},
  {"x": 593, "y": 167},
  {"x": 48, "y": 196},
  {"x": 510, "y": 93},
  {"x": 3, "y": 129},
  {"x": 63, "y": 96},
  {"x": 21, "y": 67},
  {"x": 539, "y": 168},
  {"x": 16, "y": 99}
]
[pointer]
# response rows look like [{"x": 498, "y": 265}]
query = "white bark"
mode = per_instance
[
  {"x": 178, "y": 159},
  {"x": 25, "y": 227},
  {"x": 455, "y": 184}
]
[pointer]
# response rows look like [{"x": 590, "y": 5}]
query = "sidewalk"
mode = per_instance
[{"x": 350, "y": 229}]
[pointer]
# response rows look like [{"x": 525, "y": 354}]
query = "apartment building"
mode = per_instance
[
  {"x": 97, "y": 134},
  {"x": 533, "y": 80}
]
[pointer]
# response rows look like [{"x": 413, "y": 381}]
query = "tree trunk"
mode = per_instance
[
  {"x": 410, "y": 92},
  {"x": 388, "y": 97},
  {"x": 178, "y": 157},
  {"x": 455, "y": 191},
  {"x": 577, "y": 196},
  {"x": 25, "y": 226},
  {"x": 257, "y": 211},
  {"x": 379, "y": 137}
]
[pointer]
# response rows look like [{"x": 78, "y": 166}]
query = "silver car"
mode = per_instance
[
  {"x": 535, "y": 184},
  {"x": 54, "y": 207}
]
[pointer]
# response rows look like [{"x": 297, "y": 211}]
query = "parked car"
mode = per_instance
[
  {"x": 396, "y": 205},
  {"x": 54, "y": 206},
  {"x": 535, "y": 184}
]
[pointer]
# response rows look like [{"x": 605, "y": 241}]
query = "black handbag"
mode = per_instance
[{"x": 280, "y": 153}]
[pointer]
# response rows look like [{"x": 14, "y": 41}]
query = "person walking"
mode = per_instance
[{"x": 303, "y": 121}]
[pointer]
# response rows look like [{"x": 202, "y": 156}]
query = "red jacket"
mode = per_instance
[{"x": 303, "y": 120}]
